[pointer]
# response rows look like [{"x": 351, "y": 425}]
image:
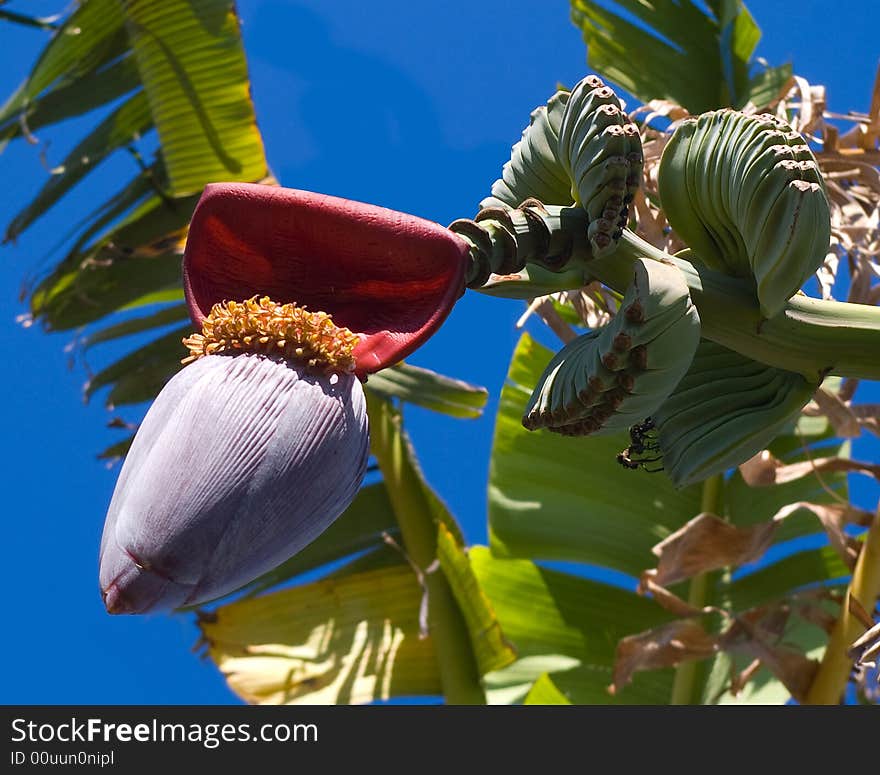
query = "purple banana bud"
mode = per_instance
[{"x": 241, "y": 462}]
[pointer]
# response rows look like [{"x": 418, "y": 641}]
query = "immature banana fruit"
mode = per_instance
[
  {"x": 612, "y": 378},
  {"x": 581, "y": 147},
  {"x": 726, "y": 409},
  {"x": 746, "y": 194},
  {"x": 602, "y": 153},
  {"x": 534, "y": 169}
]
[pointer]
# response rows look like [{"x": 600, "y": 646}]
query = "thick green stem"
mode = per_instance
[
  {"x": 459, "y": 675},
  {"x": 810, "y": 336},
  {"x": 834, "y": 671},
  {"x": 686, "y": 687}
]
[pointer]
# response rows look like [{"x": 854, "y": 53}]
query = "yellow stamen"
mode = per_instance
[{"x": 261, "y": 325}]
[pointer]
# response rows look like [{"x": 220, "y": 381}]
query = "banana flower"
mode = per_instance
[{"x": 261, "y": 441}]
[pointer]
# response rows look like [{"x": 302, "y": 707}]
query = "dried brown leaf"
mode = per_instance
[
  {"x": 868, "y": 416},
  {"x": 543, "y": 307},
  {"x": 754, "y": 635},
  {"x": 849, "y": 162},
  {"x": 794, "y": 471},
  {"x": 866, "y": 133},
  {"x": 844, "y": 422},
  {"x": 680, "y": 641},
  {"x": 848, "y": 389},
  {"x": 816, "y": 614},
  {"x": 646, "y": 113},
  {"x": 795, "y": 670},
  {"x": 666, "y": 599},
  {"x": 804, "y": 119},
  {"x": 651, "y": 221},
  {"x": 834, "y": 518},
  {"x": 707, "y": 543},
  {"x": 764, "y": 469},
  {"x": 865, "y": 651},
  {"x": 594, "y": 304},
  {"x": 827, "y": 273},
  {"x": 859, "y": 612},
  {"x": 860, "y": 282},
  {"x": 760, "y": 470},
  {"x": 738, "y": 681}
]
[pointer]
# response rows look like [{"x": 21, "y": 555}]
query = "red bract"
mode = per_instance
[{"x": 390, "y": 277}]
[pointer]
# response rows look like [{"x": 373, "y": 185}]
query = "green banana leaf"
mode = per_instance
[
  {"x": 696, "y": 55},
  {"x": 183, "y": 65},
  {"x": 149, "y": 181},
  {"x": 91, "y": 37},
  {"x": 96, "y": 88},
  {"x": 557, "y": 498},
  {"x": 77, "y": 298},
  {"x": 192, "y": 65},
  {"x": 163, "y": 317},
  {"x": 799, "y": 570},
  {"x": 140, "y": 375},
  {"x": 430, "y": 390},
  {"x": 344, "y": 640},
  {"x": 123, "y": 126},
  {"x": 492, "y": 649},
  {"x": 767, "y": 86},
  {"x": 546, "y": 692},
  {"x": 565, "y": 626}
]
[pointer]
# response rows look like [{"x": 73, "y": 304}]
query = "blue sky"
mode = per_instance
[{"x": 412, "y": 106}]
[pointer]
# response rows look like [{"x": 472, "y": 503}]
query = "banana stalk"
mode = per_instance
[
  {"x": 812, "y": 337},
  {"x": 834, "y": 671}
]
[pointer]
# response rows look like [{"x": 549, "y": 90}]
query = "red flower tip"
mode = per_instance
[{"x": 390, "y": 277}]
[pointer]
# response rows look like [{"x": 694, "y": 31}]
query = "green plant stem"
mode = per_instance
[
  {"x": 686, "y": 686},
  {"x": 810, "y": 336},
  {"x": 834, "y": 671},
  {"x": 459, "y": 675}
]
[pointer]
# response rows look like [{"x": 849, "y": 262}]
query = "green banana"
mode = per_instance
[
  {"x": 601, "y": 150},
  {"x": 704, "y": 179},
  {"x": 679, "y": 200},
  {"x": 708, "y": 399},
  {"x": 720, "y": 403},
  {"x": 582, "y": 148},
  {"x": 774, "y": 177},
  {"x": 746, "y": 194},
  {"x": 742, "y": 436},
  {"x": 709, "y": 127},
  {"x": 608, "y": 379},
  {"x": 718, "y": 166},
  {"x": 593, "y": 96},
  {"x": 789, "y": 234},
  {"x": 724, "y": 410}
]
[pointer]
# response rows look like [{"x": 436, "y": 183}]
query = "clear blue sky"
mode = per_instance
[{"x": 409, "y": 105}]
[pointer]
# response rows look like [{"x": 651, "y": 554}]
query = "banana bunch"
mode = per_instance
[
  {"x": 602, "y": 153},
  {"x": 726, "y": 409},
  {"x": 612, "y": 378},
  {"x": 580, "y": 147},
  {"x": 746, "y": 194},
  {"x": 534, "y": 169}
]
